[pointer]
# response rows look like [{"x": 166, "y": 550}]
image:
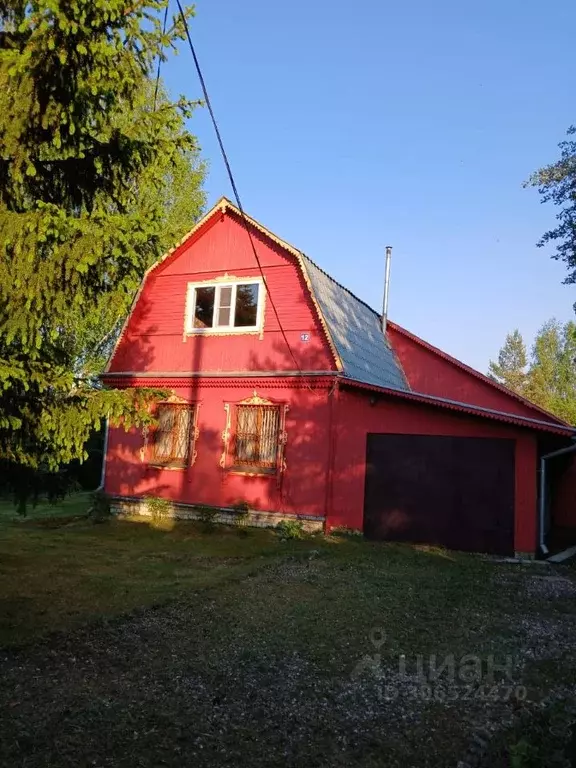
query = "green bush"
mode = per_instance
[
  {"x": 348, "y": 533},
  {"x": 241, "y": 511},
  {"x": 290, "y": 529},
  {"x": 159, "y": 509},
  {"x": 207, "y": 516}
]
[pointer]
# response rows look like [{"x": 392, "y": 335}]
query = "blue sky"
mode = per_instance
[{"x": 414, "y": 124}]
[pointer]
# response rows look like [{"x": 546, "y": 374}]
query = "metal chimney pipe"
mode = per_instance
[{"x": 386, "y": 287}]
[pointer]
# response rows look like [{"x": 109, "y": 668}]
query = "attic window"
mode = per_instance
[{"x": 218, "y": 307}]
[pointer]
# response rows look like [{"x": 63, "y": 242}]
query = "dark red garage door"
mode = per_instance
[{"x": 454, "y": 491}]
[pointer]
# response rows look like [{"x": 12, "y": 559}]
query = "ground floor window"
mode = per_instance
[
  {"x": 256, "y": 439},
  {"x": 173, "y": 438}
]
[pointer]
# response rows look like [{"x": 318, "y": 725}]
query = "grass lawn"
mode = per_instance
[
  {"x": 122, "y": 644},
  {"x": 59, "y": 570}
]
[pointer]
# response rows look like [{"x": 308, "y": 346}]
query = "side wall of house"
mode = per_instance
[
  {"x": 155, "y": 339},
  {"x": 356, "y": 417},
  {"x": 563, "y": 492},
  {"x": 300, "y": 489},
  {"x": 431, "y": 374}
]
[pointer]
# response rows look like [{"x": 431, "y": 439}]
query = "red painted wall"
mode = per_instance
[
  {"x": 154, "y": 339},
  {"x": 355, "y": 417},
  {"x": 563, "y": 491},
  {"x": 302, "y": 489},
  {"x": 431, "y": 374}
]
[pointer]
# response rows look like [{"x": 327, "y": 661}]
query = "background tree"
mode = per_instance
[
  {"x": 510, "y": 370},
  {"x": 557, "y": 184},
  {"x": 181, "y": 202},
  {"x": 552, "y": 374},
  {"x": 86, "y": 171},
  {"x": 550, "y": 380}
]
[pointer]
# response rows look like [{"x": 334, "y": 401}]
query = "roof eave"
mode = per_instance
[{"x": 468, "y": 408}]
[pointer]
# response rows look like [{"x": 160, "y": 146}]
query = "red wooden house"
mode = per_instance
[{"x": 288, "y": 397}]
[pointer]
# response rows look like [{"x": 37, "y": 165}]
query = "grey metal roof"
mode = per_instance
[{"x": 356, "y": 332}]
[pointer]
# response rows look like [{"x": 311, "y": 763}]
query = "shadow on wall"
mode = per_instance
[
  {"x": 134, "y": 351},
  {"x": 320, "y": 438},
  {"x": 129, "y": 472},
  {"x": 308, "y": 428},
  {"x": 311, "y": 438}
]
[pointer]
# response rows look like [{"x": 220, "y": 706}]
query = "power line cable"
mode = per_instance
[
  {"x": 160, "y": 55},
  {"x": 233, "y": 182}
]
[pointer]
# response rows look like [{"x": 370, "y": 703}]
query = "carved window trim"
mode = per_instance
[
  {"x": 147, "y": 452},
  {"x": 228, "y": 460}
]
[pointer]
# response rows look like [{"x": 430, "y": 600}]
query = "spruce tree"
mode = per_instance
[{"x": 86, "y": 161}]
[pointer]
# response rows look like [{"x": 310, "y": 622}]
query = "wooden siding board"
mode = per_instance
[
  {"x": 225, "y": 246},
  {"x": 163, "y": 353}
]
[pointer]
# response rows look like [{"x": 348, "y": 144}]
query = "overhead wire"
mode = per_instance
[
  {"x": 164, "y": 23},
  {"x": 239, "y": 205}
]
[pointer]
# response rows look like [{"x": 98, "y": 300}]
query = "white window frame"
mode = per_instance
[{"x": 217, "y": 285}]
